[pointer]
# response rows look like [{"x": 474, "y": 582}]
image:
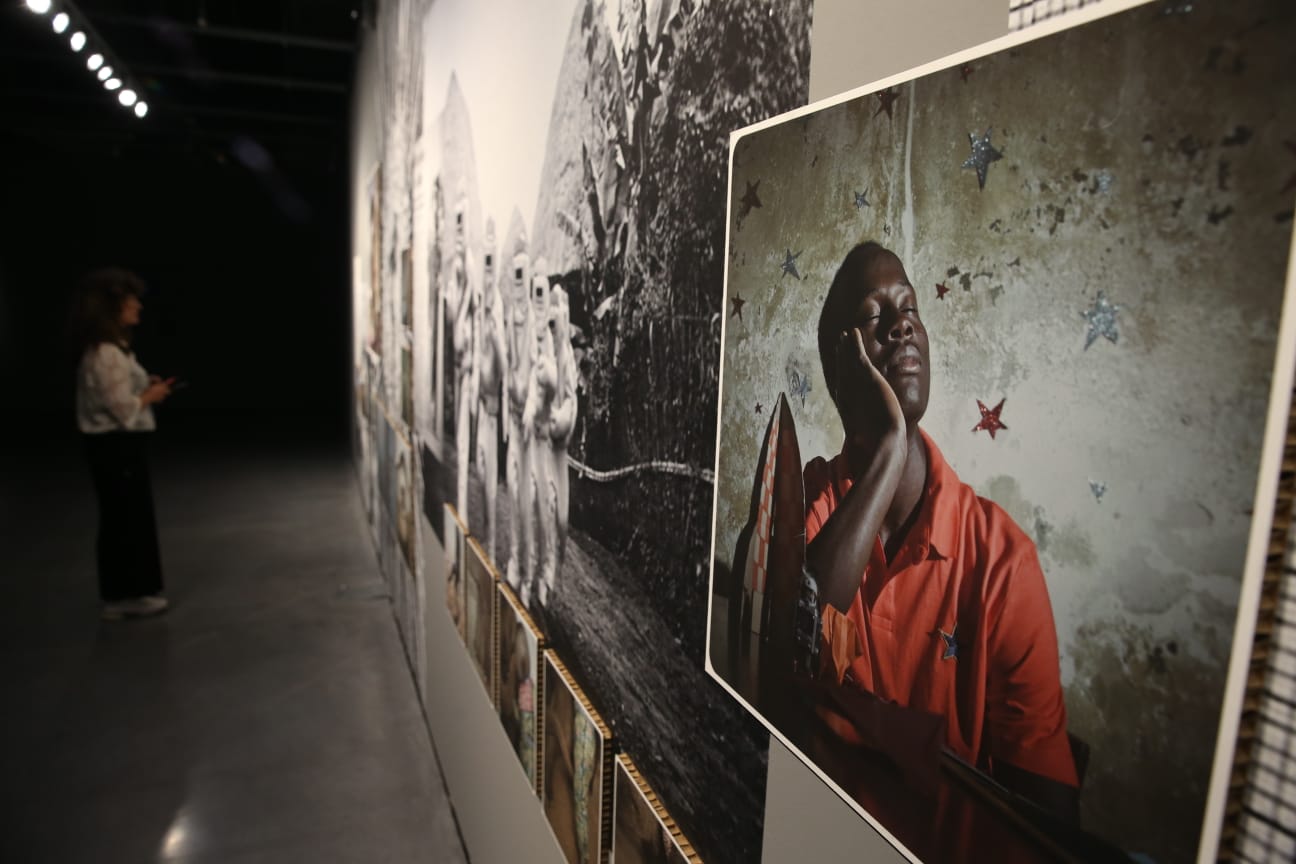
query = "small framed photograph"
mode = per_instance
[
  {"x": 480, "y": 614},
  {"x": 521, "y": 685},
  {"x": 456, "y": 540},
  {"x": 642, "y": 831},
  {"x": 577, "y": 760}
]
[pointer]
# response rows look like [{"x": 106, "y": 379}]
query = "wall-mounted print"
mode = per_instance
[
  {"x": 375, "y": 331},
  {"x": 642, "y": 831},
  {"x": 405, "y": 494},
  {"x": 574, "y": 204},
  {"x": 407, "y": 288},
  {"x": 437, "y": 488},
  {"x": 577, "y": 768},
  {"x": 480, "y": 618},
  {"x": 1002, "y": 343},
  {"x": 521, "y": 684},
  {"x": 456, "y": 552},
  {"x": 407, "y": 387}
]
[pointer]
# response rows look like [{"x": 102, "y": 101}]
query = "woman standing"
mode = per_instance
[{"x": 115, "y": 415}]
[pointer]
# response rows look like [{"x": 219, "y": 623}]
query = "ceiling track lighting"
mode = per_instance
[{"x": 67, "y": 18}]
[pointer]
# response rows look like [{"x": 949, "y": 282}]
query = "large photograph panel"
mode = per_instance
[
  {"x": 997, "y": 357},
  {"x": 567, "y": 261}
]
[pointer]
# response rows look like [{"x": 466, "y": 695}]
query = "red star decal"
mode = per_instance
[
  {"x": 990, "y": 418},
  {"x": 759, "y": 407},
  {"x": 886, "y": 99},
  {"x": 966, "y": 72},
  {"x": 941, "y": 290},
  {"x": 1291, "y": 184},
  {"x": 738, "y": 304}
]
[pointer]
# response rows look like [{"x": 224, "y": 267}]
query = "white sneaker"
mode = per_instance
[{"x": 137, "y": 607}]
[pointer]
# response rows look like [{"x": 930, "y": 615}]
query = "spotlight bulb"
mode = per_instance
[
  {"x": 94, "y": 61},
  {"x": 141, "y": 108},
  {"x": 78, "y": 41},
  {"x": 40, "y": 7},
  {"x": 61, "y": 22},
  {"x": 127, "y": 97},
  {"x": 105, "y": 73},
  {"x": 112, "y": 83}
]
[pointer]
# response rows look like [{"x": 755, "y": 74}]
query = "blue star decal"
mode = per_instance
[
  {"x": 789, "y": 264},
  {"x": 951, "y": 643}
]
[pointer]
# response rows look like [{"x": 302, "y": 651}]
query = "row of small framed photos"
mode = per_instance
[{"x": 598, "y": 805}]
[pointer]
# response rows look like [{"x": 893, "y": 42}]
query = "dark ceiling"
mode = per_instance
[{"x": 224, "y": 79}]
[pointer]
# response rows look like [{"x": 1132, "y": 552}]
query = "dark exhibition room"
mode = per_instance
[{"x": 637, "y": 431}]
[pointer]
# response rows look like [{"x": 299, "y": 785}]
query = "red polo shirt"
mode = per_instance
[{"x": 958, "y": 625}]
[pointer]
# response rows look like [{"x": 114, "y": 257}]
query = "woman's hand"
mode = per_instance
[{"x": 157, "y": 391}]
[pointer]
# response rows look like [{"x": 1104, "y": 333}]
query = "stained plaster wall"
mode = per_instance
[{"x": 1124, "y": 171}]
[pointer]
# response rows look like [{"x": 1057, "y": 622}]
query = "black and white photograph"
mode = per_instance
[
  {"x": 1005, "y": 341},
  {"x": 565, "y": 227}
]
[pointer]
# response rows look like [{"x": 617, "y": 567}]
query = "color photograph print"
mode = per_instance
[
  {"x": 455, "y": 553},
  {"x": 1000, "y": 346},
  {"x": 479, "y": 614},
  {"x": 374, "y": 318},
  {"x": 405, "y": 496},
  {"x": 562, "y": 196},
  {"x": 520, "y": 683},
  {"x": 640, "y": 833},
  {"x": 576, "y": 758}
]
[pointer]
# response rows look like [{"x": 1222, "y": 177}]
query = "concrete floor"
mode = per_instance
[{"x": 270, "y": 716}]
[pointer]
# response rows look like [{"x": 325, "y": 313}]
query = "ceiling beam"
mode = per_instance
[
  {"x": 239, "y": 33},
  {"x": 243, "y": 78}
]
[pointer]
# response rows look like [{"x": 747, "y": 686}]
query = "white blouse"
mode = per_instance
[{"x": 109, "y": 381}]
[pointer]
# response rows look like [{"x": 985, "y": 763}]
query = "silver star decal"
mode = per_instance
[
  {"x": 789, "y": 264},
  {"x": 1098, "y": 489},
  {"x": 1102, "y": 321},
  {"x": 798, "y": 384},
  {"x": 982, "y": 155},
  {"x": 861, "y": 199}
]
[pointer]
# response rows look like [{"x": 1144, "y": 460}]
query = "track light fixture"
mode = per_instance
[{"x": 68, "y": 18}]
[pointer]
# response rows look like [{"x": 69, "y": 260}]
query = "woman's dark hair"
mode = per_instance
[{"x": 97, "y": 307}]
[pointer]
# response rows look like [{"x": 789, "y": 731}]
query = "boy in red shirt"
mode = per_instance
[{"x": 931, "y": 597}]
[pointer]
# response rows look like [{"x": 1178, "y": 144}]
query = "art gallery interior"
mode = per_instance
[{"x": 513, "y": 420}]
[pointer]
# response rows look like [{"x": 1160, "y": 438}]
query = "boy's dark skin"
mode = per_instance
[{"x": 879, "y": 376}]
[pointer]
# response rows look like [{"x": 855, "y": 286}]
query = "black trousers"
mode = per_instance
[{"x": 127, "y": 546}]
